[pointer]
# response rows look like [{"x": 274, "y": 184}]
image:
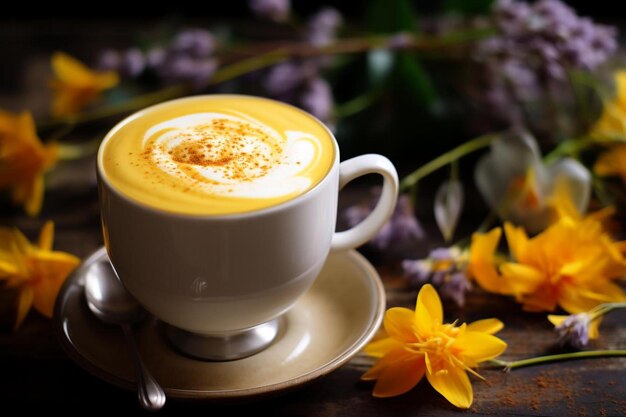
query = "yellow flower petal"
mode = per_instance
[
  {"x": 24, "y": 160},
  {"x": 489, "y": 326},
  {"x": 7, "y": 269},
  {"x": 479, "y": 347},
  {"x": 522, "y": 278},
  {"x": 70, "y": 70},
  {"x": 34, "y": 198},
  {"x": 517, "y": 240},
  {"x": 398, "y": 354},
  {"x": 482, "y": 261},
  {"x": 428, "y": 310},
  {"x": 55, "y": 267},
  {"x": 46, "y": 236},
  {"x": 76, "y": 85},
  {"x": 594, "y": 328},
  {"x": 399, "y": 377},
  {"x": 556, "y": 319},
  {"x": 380, "y": 348},
  {"x": 453, "y": 383},
  {"x": 24, "y": 301},
  {"x": 576, "y": 300},
  {"x": 398, "y": 323}
]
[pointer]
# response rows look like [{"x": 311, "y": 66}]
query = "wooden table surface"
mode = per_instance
[{"x": 36, "y": 373}]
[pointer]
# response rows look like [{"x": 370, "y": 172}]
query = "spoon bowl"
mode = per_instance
[
  {"x": 113, "y": 304},
  {"x": 108, "y": 299}
]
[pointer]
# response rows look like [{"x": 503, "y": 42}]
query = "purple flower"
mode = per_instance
[
  {"x": 188, "y": 58},
  {"x": 445, "y": 268},
  {"x": 417, "y": 271},
  {"x": 109, "y": 60},
  {"x": 129, "y": 63},
  {"x": 455, "y": 286},
  {"x": 132, "y": 63},
  {"x": 317, "y": 98},
  {"x": 299, "y": 82},
  {"x": 402, "y": 229},
  {"x": 574, "y": 330},
  {"x": 155, "y": 57},
  {"x": 511, "y": 16},
  {"x": 323, "y": 26},
  {"x": 535, "y": 47},
  {"x": 286, "y": 77},
  {"x": 276, "y": 10},
  {"x": 187, "y": 69},
  {"x": 196, "y": 43}
]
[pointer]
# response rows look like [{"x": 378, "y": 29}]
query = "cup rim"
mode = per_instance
[{"x": 103, "y": 180}]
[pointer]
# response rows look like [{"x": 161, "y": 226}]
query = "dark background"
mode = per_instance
[{"x": 237, "y": 8}]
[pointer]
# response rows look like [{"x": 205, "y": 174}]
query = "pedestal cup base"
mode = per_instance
[{"x": 227, "y": 346}]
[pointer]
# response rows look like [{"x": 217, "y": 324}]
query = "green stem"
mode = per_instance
[
  {"x": 357, "y": 104},
  {"x": 71, "y": 151},
  {"x": 246, "y": 66},
  {"x": 445, "y": 159},
  {"x": 557, "y": 358},
  {"x": 571, "y": 147},
  {"x": 602, "y": 309},
  {"x": 256, "y": 62}
]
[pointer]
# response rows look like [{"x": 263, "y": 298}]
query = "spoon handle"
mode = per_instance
[{"x": 150, "y": 393}]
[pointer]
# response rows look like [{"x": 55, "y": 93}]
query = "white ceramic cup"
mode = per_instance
[{"x": 218, "y": 274}]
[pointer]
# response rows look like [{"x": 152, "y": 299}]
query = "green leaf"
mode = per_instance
[
  {"x": 415, "y": 81},
  {"x": 390, "y": 16}
]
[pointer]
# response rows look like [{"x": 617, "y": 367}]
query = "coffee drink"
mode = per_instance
[
  {"x": 217, "y": 155},
  {"x": 218, "y": 213}
]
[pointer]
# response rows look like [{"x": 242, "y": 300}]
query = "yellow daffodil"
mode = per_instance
[
  {"x": 23, "y": 160},
  {"x": 35, "y": 270},
  {"x": 419, "y": 344},
  {"x": 612, "y": 162},
  {"x": 76, "y": 85},
  {"x": 573, "y": 264},
  {"x": 612, "y": 122}
]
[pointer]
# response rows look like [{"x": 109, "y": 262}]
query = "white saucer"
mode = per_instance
[{"x": 326, "y": 327}]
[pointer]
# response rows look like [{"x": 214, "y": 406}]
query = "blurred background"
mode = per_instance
[
  {"x": 423, "y": 104},
  {"x": 408, "y": 79}
]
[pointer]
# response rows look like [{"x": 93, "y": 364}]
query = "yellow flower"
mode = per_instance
[
  {"x": 23, "y": 160},
  {"x": 612, "y": 162},
  {"x": 76, "y": 85},
  {"x": 35, "y": 270},
  {"x": 612, "y": 122},
  {"x": 573, "y": 264},
  {"x": 484, "y": 261},
  {"x": 420, "y": 344}
]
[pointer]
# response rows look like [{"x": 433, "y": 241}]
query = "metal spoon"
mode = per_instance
[{"x": 110, "y": 302}]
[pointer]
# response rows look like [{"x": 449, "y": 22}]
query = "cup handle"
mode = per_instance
[{"x": 367, "y": 229}]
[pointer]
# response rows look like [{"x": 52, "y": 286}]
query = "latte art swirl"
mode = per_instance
[
  {"x": 216, "y": 155},
  {"x": 223, "y": 155}
]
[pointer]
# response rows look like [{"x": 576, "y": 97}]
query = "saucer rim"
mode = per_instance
[{"x": 379, "y": 304}]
